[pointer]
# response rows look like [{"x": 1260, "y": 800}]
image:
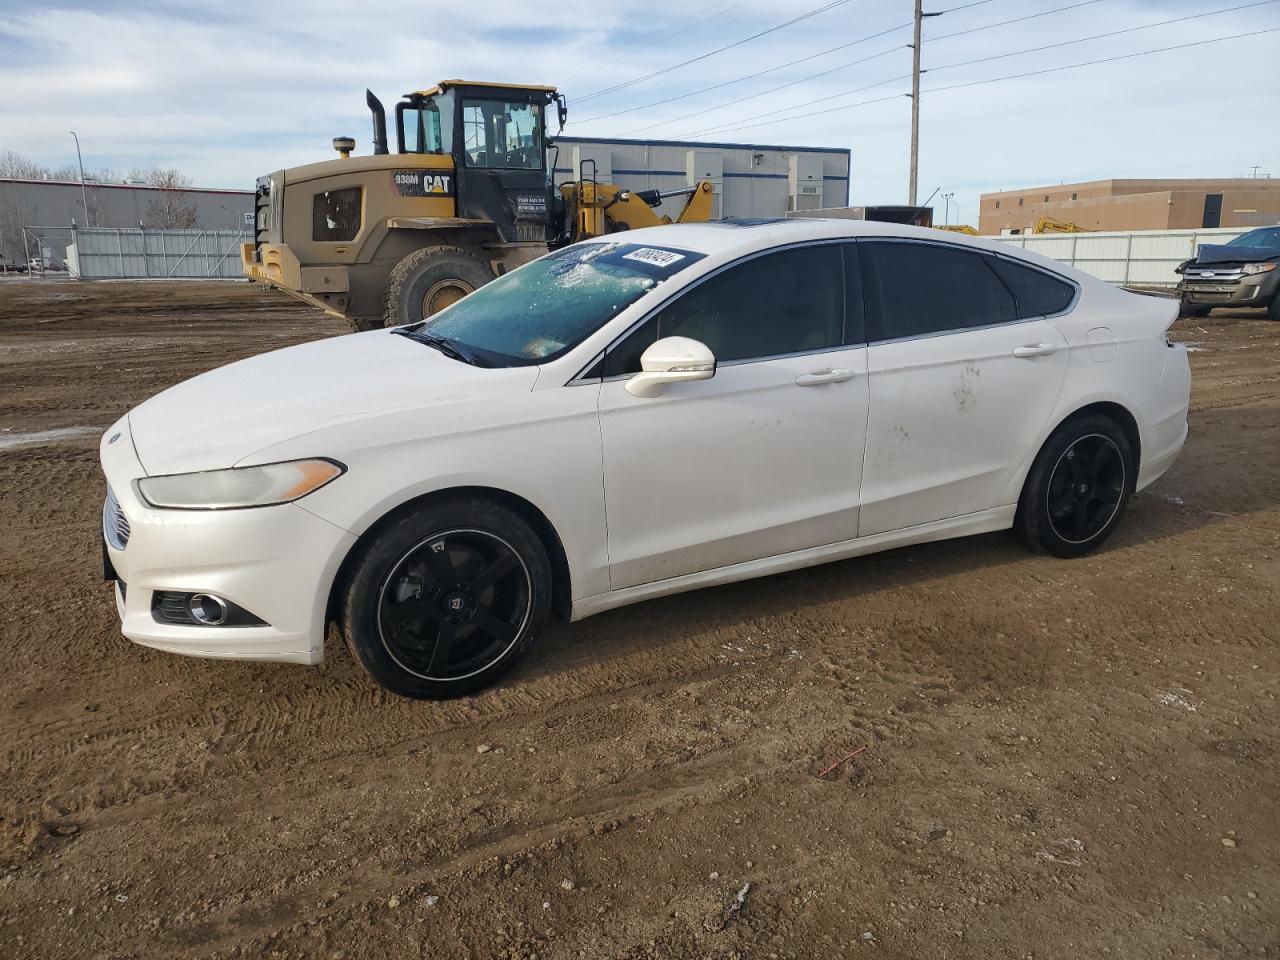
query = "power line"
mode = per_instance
[
  {"x": 737, "y": 43},
  {"x": 752, "y": 76},
  {"x": 1101, "y": 36},
  {"x": 701, "y": 15},
  {"x": 1011, "y": 76},
  {"x": 1014, "y": 53},
  {"x": 792, "y": 83},
  {"x": 1003, "y": 23},
  {"x": 814, "y": 56}
]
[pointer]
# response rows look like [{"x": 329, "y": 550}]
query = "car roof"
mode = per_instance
[{"x": 730, "y": 239}]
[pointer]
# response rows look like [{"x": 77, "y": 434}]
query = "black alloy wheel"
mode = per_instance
[
  {"x": 1078, "y": 487},
  {"x": 1085, "y": 488},
  {"x": 454, "y": 604},
  {"x": 443, "y": 597}
]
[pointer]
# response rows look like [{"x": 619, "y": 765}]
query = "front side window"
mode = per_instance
[
  {"x": 421, "y": 129},
  {"x": 923, "y": 288},
  {"x": 503, "y": 135},
  {"x": 786, "y": 302},
  {"x": 538, "y": 312}
]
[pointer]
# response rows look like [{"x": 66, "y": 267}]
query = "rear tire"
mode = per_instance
[
  {"x": 1078, "y": 487},
  {"x": 446, "y": 598},
  {"x": 430, "y": 279}
]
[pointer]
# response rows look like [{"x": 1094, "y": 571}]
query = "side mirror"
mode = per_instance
[{"x": 671, "y": 360}]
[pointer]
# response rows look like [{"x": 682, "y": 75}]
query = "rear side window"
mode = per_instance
[
  {"x": 786, "y": 302},
  {"x": 335, "y": 215},
  {"x": 923, "y": 288},
  {"x": 1035, "y": 293}
]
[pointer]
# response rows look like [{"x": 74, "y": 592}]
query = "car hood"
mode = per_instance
[
  {"x": 222, "y": 417},
  {"x": 1224, "y": 253}
]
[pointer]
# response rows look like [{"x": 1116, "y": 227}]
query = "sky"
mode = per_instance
[{"x": 229, "y": 91}]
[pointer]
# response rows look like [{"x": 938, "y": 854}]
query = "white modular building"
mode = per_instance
[{"x": 749, "y": 179}]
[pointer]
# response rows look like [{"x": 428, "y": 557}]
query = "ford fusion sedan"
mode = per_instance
[{"x": 628, "y": 418}]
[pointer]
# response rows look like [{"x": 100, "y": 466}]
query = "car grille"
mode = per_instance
[{"x": 115, "y": 525}]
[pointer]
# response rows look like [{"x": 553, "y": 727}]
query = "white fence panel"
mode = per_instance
[
  {"x": 1135, "y": 257},
  {"x": 108, "y": 253}
]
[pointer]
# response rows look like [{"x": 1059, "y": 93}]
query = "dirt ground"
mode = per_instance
[{"x": 1064, "y": 758}]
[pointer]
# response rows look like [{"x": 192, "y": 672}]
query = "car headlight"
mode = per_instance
[
  {"x": 239, "y": 487},
  {"x": 1258, "y": 267}
]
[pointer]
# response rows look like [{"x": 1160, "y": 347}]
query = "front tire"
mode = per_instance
[
  {"x": 447, "y": 598},
  {"x": 1193, "y": 310},
  {"x": 430, "y": 279},
  {"x": 1078, "y": 487},
  {"x": 1273, "y": 308}
]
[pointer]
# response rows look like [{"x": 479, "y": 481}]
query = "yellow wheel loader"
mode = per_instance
[{"x": 467, "y": 195}]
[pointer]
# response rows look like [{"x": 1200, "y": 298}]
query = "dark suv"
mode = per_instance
[{"x": 1242, "y": 273}]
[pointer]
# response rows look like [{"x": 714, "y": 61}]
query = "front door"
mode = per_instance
[
  {"x": 964, "y": 371},
  {"x": 762, "y": 459}
]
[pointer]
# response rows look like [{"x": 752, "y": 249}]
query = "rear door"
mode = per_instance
[
  {"x": 762, "y": 459},
  {"x": 964, "y": 369}
]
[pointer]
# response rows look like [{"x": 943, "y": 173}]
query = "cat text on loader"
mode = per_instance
[{"x": 466, "y": 195}]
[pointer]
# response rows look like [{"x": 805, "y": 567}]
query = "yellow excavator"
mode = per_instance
[
  {"x": 467, "y": 195},
  {"x": 1051, "y": 225}
]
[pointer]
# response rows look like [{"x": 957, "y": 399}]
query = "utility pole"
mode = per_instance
[
  {"x": 84, "y": 196},
  {"x": 915, "y": 96}
]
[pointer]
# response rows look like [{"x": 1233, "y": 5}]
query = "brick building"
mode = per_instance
[{"x": 1135, "y": 205}]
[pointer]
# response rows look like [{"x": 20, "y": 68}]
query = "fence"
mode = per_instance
[
  {"x": 1127, "y": 257},
  {"x": 106, "y": 253}
]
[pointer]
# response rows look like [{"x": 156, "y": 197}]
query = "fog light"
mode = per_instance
[
  {"x": 208, "y": 609},
  {"x": 200, "y": 610}
]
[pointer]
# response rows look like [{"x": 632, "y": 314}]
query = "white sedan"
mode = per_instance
[{"x": 628, "y": 418}]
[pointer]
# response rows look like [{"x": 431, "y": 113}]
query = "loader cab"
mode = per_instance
[{"x": 497, "y": 137}]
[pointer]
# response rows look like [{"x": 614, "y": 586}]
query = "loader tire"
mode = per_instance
[{"x": 430, "y": 279}]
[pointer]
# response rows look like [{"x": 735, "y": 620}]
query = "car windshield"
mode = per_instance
[
  {"x": 547, "y": 307},
  {"x": 1268, "y": 237}
]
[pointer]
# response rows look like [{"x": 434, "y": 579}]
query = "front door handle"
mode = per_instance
[
  {"x": 838, "y": 375},
  {"x": 1029, "y": 350}
]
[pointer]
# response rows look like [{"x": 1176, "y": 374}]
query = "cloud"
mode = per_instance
[{"x": 227, "y": 94}]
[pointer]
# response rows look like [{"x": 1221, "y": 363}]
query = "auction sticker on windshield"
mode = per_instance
[
  {"x": 657, "y": 262},
  {"x": 659, "y": 258}
]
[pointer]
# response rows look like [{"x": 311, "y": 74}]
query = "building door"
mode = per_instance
[{"x": 1212, "y": 210}]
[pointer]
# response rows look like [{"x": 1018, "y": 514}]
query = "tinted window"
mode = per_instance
[
  {"x": 926, "y": 288},
  {"x": 786, "y": 302},
  {"x": 1035, "y": 294}
]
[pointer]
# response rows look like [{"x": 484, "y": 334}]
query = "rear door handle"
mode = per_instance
[
  {"x": 838, "y": 375},
  {"x": 1035, "y": 350}
]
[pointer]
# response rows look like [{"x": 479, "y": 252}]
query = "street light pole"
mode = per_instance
[
  {"x": 84, "y": 196},
  {"x": 946, "y": 218}
]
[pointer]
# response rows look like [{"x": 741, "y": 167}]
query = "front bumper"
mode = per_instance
[
  {"x": 276, "y": 562},
  {"x": 328, "y": 287},
  {"x": 1250, "y": 291}
]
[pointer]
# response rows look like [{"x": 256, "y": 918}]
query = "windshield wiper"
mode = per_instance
[{"x": 450, "y": 348}]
